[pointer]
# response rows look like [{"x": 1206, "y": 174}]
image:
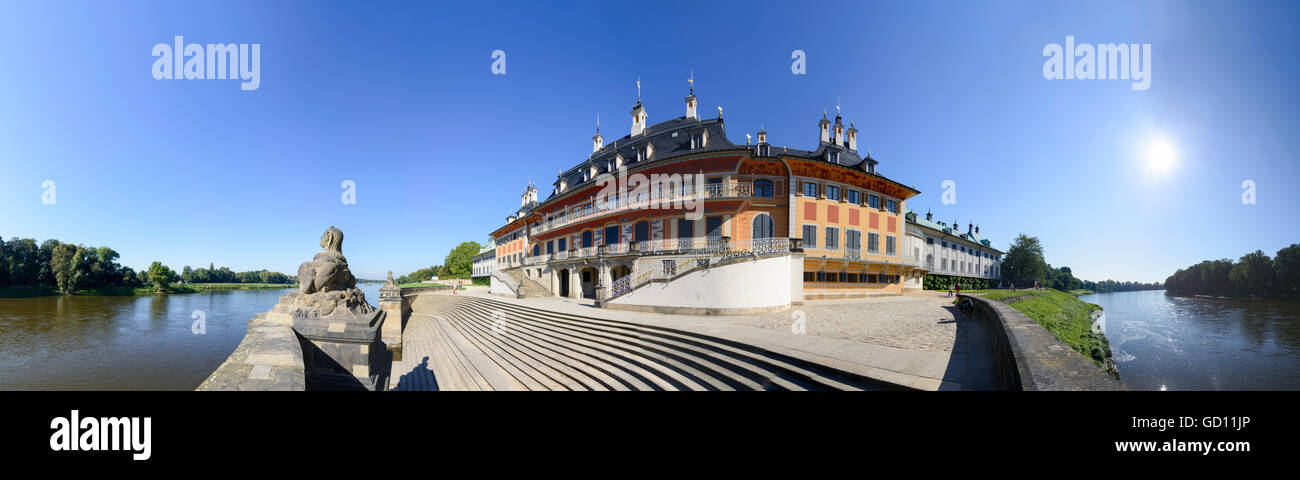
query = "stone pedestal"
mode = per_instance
[
  {"x": 344, "y": 352},
  {"x": 390, "y": 302}
]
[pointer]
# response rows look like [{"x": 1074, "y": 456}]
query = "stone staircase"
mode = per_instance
[
  {"x": 527, "y": 287},
  {"x": 473, "y": 343}
]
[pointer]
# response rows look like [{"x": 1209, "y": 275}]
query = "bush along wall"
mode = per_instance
[{"x": 943, "y": 282}]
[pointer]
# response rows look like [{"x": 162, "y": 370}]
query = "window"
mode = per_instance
[
  {"x": 853, "y": 239},
  {"x": 685, "y": 228},
  {"x": 697, "y": 140},
  {"x": 833, "y": 192},
  {"x": 832, "y": 277},
  {"x": 873, "y": 201},
  {"x": 929, "y": 241},
  {"x": 641, "y": 232},
  {"x": 809, "y": 189},
  {"x": 713, "y": 225},
  {"x": 833, "y": 156},
  {"x": 611, "y": 235},
  {"x": 832, "y": 238},
  {"x": 537, "y": 249},
  {"x": 762, "y": 226},
  {"x": 763, "y": 151},
  {"x": 944, "y": 263},
  {"x": 763, "y": 188},
  {"x": 810, "y": 276},
  {"x": 873, "y": 278},
  {"x": 851, "y": 278},
  {"x": 892, "y": 206},
  {"x": 561, "y": 244},
  {"x": 810, "y": 236},
  {"x": 586, "y": 239},
  {"x": 853, "y": 197},
  {"x": 873, "y": 242},
  {"x": 890, "y": 244}
]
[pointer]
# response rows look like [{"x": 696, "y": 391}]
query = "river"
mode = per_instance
[
  {"x": 1201, "y": 343},
  {"x": 125, "y": 343}
]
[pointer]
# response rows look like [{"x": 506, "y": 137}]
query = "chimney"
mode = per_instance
[
  {"x": 969, "y": 227},
  {"x": 825, "y": 127},
  {"x": 638, "y": 112},
  {"x": 762, "y": 135},
  {"x": 638, "y": 119},
  {"x": 977, "y": 229},
  {"x": 691, "y": 104},
  {"x": 853, "y": 137},
  {"x": 839, "y": 129}
]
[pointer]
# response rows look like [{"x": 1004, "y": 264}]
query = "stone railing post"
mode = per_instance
[{"x": 390, "y": 302}]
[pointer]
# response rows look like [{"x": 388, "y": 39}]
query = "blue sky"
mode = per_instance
[{"x": 401, "y": 99}]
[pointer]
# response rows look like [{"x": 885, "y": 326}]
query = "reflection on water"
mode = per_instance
[
  {"x": 1198, "y": 343},
  {"x": 124, "y": 343}
]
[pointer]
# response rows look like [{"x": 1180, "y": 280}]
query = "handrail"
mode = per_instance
[{"x": 642, "y": 199}]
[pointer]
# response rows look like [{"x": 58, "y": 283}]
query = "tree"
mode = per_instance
[
  {"x": 1286, "y": 269},
  {"x": 160, "y": 275},
  {"x": 64, "y": 260},
  {"x": 1253, "y": 274},
  {"x": 1024, "y": 262},
  {"x": 460, "y": 262}
]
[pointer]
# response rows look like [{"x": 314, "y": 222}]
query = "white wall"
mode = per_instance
[{"x": 748, "y": 284}]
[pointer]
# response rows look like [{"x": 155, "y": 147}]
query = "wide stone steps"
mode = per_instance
[{"x": 474, "y": 343}]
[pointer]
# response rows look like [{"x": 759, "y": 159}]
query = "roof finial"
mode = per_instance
[
  {"x": 597, "y": 122},
  {"x": 837, "y": 106},
  {"x": 719, "y": 111},
  {"x": 638, "y": 89},
  {"x": 692, "y": 81}
]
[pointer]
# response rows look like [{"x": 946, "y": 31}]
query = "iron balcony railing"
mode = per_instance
[{"x": 644, "y": 199}]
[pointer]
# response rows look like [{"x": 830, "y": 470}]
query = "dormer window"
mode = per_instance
[
  {"x": 698, "y": 140},
  {"x": 833, "y": 156},
  {"x": 764, "y": 150}
]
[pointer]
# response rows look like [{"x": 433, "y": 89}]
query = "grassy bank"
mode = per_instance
[
  {"x": 44, "y": 291},
  {"x": 1063, "y": 314}
]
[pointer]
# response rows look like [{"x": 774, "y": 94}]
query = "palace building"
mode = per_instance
[
  {"x": 948, "y": 251},
  {"x": 769, "y": 227}
]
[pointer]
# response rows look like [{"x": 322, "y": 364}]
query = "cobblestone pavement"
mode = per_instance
[{"x": 925, "y": 321}]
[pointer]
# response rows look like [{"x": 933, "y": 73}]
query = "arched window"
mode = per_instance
[
  {"x": 641, "y": 232},
  {"x": 762, "y": 226},
  {"x": 763, "y": 188},
  {"x": 586, "y": 239},
  {"x": 537, "y": 249}
]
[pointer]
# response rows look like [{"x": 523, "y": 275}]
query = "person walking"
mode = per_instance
[{"x": 958, "y": 289}]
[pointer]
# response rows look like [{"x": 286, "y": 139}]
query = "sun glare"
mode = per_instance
[{"x": 1160, "y": 156}]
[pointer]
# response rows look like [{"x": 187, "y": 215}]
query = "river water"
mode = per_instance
[
  {"x": 1202, "y": 343},
  {"x": 125, "y": 343}
]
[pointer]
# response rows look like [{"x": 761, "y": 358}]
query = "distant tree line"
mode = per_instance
[
  {"x": 1253, "y": 274},
  {"x": 459, "y": 263},
  {"x": 1024, "y": 265},
  {"x": 70, "y": 267},
  {"x": 226, "y": 275}
]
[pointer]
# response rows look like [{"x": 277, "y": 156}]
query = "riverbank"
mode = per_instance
[
  {"x": 46, "y": 291},
  {"x": 1066, "y": 317}
]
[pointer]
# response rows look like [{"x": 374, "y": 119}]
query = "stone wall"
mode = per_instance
[
  {"x": 269, "y": 358},
  {"x": 1028, "y": 357}
]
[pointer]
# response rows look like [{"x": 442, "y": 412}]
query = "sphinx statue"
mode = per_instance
[
  {"x": 328, "y": 270},
  {"x": 327, "y": 287}
]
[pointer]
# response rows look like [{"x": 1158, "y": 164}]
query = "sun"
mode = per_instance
[{"x": 1160, "y": 156}]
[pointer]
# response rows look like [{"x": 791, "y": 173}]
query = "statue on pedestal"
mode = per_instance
[{"x": 327, "y": 287}]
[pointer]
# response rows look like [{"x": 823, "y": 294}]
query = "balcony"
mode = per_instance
[{"x": 646, "y": 199}]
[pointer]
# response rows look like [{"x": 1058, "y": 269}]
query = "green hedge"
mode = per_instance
[{"x": 943, "y": 282}]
